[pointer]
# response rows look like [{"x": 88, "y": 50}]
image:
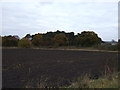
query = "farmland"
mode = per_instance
[{"x": 54, "y": 68}]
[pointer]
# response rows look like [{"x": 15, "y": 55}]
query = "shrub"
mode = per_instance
[
  {"x": 24, "y": 43},
  {"x": 107, "y": 47}
]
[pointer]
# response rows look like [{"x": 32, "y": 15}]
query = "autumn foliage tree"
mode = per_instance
[
  {"x": 37, "y": 39},
  {"x": 57, "y": 38},
  {"x": 10, "y": 41},
  {"x": 88, "y": 38},
  {"x": 24, "y": 43},
  {"x": 60, "y": 39}
]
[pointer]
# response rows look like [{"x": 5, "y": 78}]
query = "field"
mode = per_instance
[{"x": 25, "y": 68}]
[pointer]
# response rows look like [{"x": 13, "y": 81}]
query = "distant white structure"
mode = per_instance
[
  {"x": 16, "y": 36},
  {"x": 113, "y": 42},
  {"x": 28, "y": 36}
]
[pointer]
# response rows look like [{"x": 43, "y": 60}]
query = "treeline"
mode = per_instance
[
  {"x": 58, "y": 38},
  {"x": 53, "y": 39}
]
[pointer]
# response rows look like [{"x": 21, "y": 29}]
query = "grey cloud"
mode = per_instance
[{"x": 34, "y": 17}]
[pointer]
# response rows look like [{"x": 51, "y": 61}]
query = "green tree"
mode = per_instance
[
  {"x": 37, "y": 40},
  {"x": 48, "y": 39},
  {"x": 24, "y": 43},
  {"x": 88, "y": 38},
  {"x": 60, "y": 39},
  {"x": 70, "y": 36},
  {"x": 10, "y": 41}
]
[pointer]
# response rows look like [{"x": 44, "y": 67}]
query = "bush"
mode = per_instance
[{"x": 24, "y": 43}]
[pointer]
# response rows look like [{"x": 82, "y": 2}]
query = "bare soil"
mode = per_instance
[{"x": 30, "y": 67}]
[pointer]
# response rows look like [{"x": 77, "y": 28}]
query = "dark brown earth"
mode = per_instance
[{"x": 30, "y": 67}]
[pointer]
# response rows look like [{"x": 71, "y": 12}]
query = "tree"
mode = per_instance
[
  {"x": 48, "y": 39},
  {"x": 24, "y": 43},
  {"x": 37, "y": 40},
  {"x": 60, "y": 39},
  {"x": 119, "y": 45},
  {"x": 0, "y": 41},
  {"x": 28, "y": 36},
  {"x": 10, "y": 41},
  {"x": 70, "y": 36},
  {"x": 88, "y": 38}
]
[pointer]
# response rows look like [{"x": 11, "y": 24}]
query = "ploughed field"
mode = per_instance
[{"x": 36, "y": 68}]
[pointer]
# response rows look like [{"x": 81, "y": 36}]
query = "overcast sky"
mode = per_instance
[{"x": 21, "y": 18}]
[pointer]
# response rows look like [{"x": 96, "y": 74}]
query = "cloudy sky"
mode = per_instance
[{"x": 21, "y": 18}]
